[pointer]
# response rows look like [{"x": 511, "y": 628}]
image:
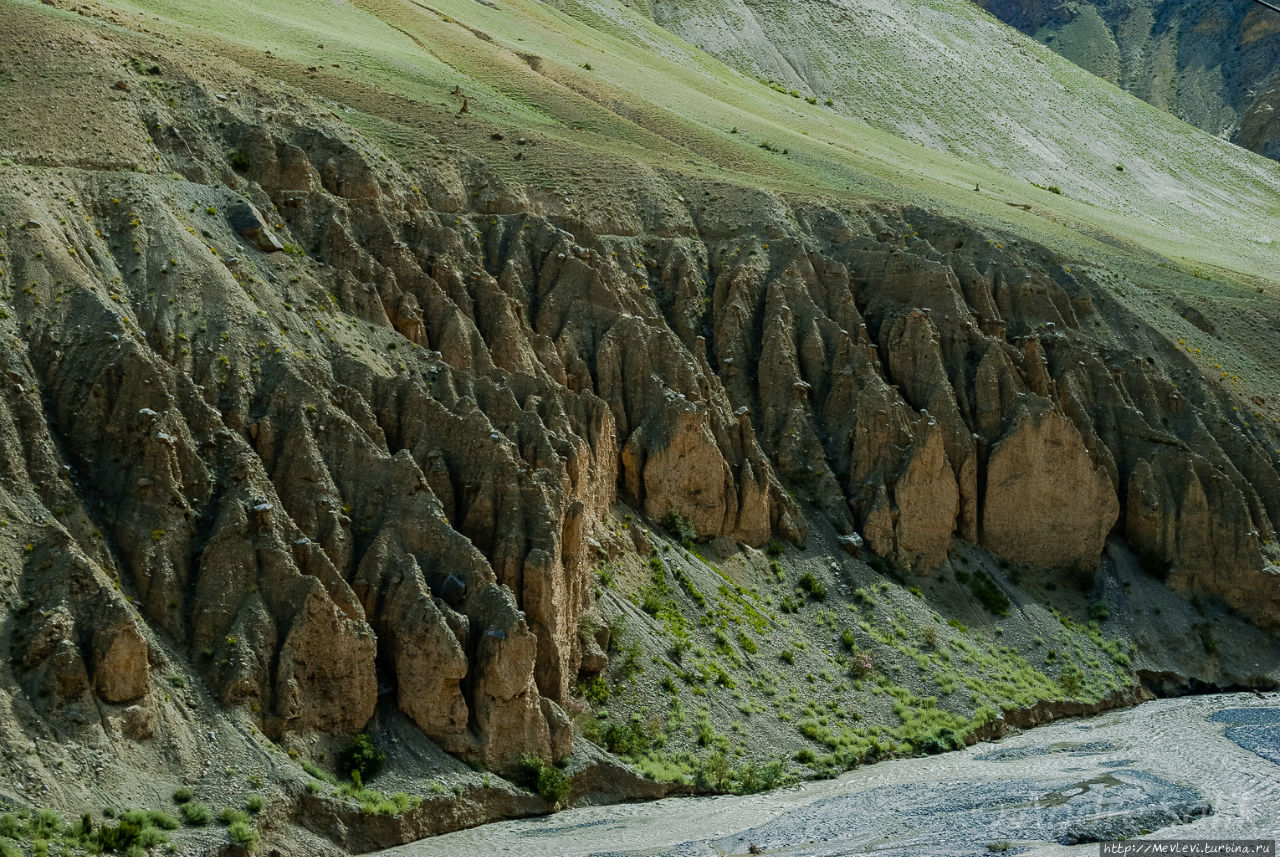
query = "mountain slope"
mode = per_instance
[
  {"x": 1212, "y": 64},
  {"x": 449, "y": 372}
]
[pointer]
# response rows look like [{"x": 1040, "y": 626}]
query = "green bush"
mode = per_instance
[
  {"x": 118, "y": 837},
  {"x": 548, "y": 781},
  {"x": 150, "y": 837},
  {"x": 243, "y": 834},
  {"x": 680, "y": 527},
  {"x": 46, "y": 823},
  {"x": 813, "y": 586},
  {"x": 1072, "y": 679},
  {"x": 988, "y": 593},
  {"x": 314, "y": 770},
  {"x": 196, "y": 813},
  {"x": 229, "y": 816},
  {"x": 183, "y": 795},
  {"x": 625, "y": 739},
  {"x": 362, "y": 757},
  {"x": 162, "y": 820},
  {"x": 255, "y": 803}
]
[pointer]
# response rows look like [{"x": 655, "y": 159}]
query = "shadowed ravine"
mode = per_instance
[{"x": 1165, "y": 767}]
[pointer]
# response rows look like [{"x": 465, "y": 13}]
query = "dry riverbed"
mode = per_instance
[{"x": 1197, "y": 767}]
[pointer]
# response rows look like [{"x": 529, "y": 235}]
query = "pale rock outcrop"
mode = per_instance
[
  {"x": 430, "y": 662},
  {"x": 1047, "y": 502},
  {"x": 121, "y": 671},
  {"x": 915, "y": 525}
]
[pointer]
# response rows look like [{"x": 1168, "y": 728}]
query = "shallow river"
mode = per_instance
[{"x": 1201, "y": 767}]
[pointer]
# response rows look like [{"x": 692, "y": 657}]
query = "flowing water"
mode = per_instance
[{"x": 1203, "y": 767}]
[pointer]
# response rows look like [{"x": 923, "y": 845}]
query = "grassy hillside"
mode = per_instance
[{"x": 993, "y": 108}]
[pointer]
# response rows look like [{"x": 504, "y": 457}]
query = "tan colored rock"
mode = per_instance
[
  {"x": 508, "y": 709},
  {"x": 1190, "y": 522},
  {"x": 687, "y": 473},
  {"x": 928, "y": 501},
  {"x": 914, "y": 525},
  {"x": 325, "y": 677},
  {"x": 560, "y": 729},
  {"x": 1047, "y": 502},
  {"x": 121, "y": 672},
  {"x": 430, "y": 664}
]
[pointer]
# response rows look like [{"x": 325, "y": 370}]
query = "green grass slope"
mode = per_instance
[{"x": 992, "y": 108}]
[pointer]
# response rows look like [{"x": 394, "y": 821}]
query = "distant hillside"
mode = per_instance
[{"x": 1210, "y": 63}]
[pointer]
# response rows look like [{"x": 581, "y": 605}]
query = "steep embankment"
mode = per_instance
[
  {"x": 1212, "y": 64},
  {"x": 321, "y": 413}
]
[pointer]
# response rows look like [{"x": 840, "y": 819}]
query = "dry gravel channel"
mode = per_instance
[{"x": 1196, "y": 767}]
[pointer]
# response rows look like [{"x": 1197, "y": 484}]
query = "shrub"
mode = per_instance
[
  {"x": 548, "y": 781},
  {"x": 848, "y": 639},
  {"x": 988, "y": 593},
  {"x": 680, "y": 527},
  {"x": 196, "y": 814},
  {"x": 46, "y": 823},
  {"x": 162, "y": 820},
  {"x": 242, "y": 834},
  {"x": 1099, "y": 611},
  {"x": 315, "y": 771},
  {"x": 229, "y": 816},
  {"x": 362, "y": 757},
  {"x": 597, "y": 690},
  {"x": 238, "y": 159},
  {"x": 712, "y": 774},
  {"x": 1072, "y": 679},
  {"x": 150, "y": 837},
  {"x": 255, "y": 803},
  {"x": 813, "y": 586},
  {"x": 860, "y": 664},
  {"x": 118, "y": 837},
  {"x": 788, "y": 656},
  {"x": 774, "y": 547}
]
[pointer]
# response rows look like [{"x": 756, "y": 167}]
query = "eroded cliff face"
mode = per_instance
[{"x": 368, "y": 466}]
